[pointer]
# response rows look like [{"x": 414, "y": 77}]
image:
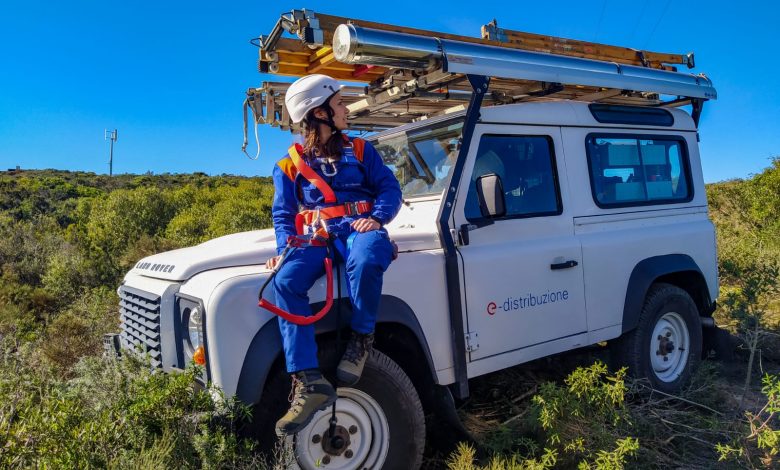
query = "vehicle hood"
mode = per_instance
[
  {"x": 253, "y": 248},
  {"x": 239, "y": 249}
]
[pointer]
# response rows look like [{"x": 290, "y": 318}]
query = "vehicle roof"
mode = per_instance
[{"x": 548, "y": 113}]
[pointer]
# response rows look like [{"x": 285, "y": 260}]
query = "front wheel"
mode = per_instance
[
  {"x": 380, "y": 420},
  {"x": 380, "y": 424},
  {"x": 665, "y": 347}
]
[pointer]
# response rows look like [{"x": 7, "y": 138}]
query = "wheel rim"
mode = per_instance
[
  {"x": 669, "y": 347},
  {"x": 363, "y": 426}
]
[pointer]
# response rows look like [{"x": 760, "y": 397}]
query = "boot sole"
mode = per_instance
[
  {"x": 331, "y": 401},
  {"x": 347, "y": 378}
]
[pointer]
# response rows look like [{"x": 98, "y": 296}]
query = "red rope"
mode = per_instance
[{"x": 300, "y": 319}]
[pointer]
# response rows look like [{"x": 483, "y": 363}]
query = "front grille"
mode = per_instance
[{"x": 140, "y": 314}]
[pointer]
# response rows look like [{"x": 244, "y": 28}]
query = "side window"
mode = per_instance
[
  {"x": 638, "y": 170},
  {"x": 526, "y": 167},
  {"x": 422, "y": 161}
]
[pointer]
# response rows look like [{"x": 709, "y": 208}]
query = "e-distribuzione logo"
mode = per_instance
[{"x": 528, "y": 301}]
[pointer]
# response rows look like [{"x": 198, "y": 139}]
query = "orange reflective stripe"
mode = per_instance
[
  {"x": 312, "y": 176},
  {"x": 288, "y": 168},
  {"x": 358, "y": 145}
]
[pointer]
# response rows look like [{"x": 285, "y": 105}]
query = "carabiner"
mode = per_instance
[{"x": 325, "y": 171}]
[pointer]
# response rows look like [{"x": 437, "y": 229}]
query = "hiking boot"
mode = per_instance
[
  {"x": 351, "y": 365},
  {"x": 310, "y": 392}
]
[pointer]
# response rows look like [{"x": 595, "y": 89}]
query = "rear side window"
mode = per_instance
[{"x": 628, "y": 170}]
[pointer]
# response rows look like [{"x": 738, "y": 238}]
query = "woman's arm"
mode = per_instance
[{"x": 284, "y": 208}]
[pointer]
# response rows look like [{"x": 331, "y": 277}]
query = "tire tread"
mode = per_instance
[{"x": 629, "y": 348}]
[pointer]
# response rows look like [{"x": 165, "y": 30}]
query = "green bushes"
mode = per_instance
[
  {"x": 583, "y": 423},
  {"x": 117, "y": 222},
  {"x": 223, "y": 210},
  {"x": 581, "y": 419},
  {"x": 747, "y": 220},
  {"x": 78, "y": 330},
  {"x": 62, "y": 235},
  {"x": 66, "y": 239},
  {"x": 112, "y": 414}
]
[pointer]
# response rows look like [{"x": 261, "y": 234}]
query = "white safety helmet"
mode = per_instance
[{"x": 307, "y": 93}]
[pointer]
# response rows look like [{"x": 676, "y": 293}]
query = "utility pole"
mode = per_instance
[{"x": 110, "y": 135}]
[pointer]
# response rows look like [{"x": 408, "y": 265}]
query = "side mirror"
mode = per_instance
[{"x": 490, "y": 193}]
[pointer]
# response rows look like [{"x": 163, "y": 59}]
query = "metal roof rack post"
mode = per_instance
[
  {"x": 697, "y": 105},
  {"x": 479, "y": 84}
]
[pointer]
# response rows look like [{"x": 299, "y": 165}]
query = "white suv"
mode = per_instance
[{"x": 562, "y": 225}]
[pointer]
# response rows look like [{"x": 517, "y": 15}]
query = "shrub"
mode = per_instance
[
  {"x": 78, "y": 331},
  {"x": 120, "y": 219},
  {"x": 760, "y": 445},
  {"x": 65, "y": 274},
  {"x": 112, "y": 414},
  {"x": 582, "y": 424},
  {"x": 584, "y": 420}
]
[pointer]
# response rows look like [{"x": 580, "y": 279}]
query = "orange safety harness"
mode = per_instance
[
  {"x": 318, "y": 236},
  {"x": 316, "y": 216}
]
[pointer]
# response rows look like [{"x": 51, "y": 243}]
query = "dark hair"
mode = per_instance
[{"x": 312, "y": 139}]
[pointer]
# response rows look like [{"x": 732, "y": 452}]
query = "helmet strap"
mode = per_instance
[
  {"x": 328, "y": 122},
  {"x": 312, "y": 120}
]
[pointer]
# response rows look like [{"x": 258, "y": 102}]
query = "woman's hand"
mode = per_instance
[
  {"x": 365, "y": 225},
  {"x": 271, "y": 263}
]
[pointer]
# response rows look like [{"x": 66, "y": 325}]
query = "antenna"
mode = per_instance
[{"x": 110, "y": 135}]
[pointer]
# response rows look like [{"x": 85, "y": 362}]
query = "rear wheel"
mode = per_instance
[{"x": 666, "y": 345}]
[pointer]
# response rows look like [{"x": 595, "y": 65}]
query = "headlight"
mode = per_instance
[
  {"x": 194, "y": 327},
  {"x": 191, "y": 330}
]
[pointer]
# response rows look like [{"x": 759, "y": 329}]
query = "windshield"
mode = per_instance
[{"x": 423, "y": 159}]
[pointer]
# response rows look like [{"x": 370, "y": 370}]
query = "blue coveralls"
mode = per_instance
[{"x": 369, "y": 256}]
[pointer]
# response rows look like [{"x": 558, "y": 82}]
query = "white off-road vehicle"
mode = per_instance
[{"x": 550, "y": 203}]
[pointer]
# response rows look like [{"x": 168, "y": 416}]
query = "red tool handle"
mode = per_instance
[{"x": 300, "y": 319}]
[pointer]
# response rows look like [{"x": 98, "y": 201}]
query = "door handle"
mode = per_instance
[{"x": 565, "y": 265}]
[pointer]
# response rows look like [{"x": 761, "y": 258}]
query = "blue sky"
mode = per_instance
[{"x": 171, "y": 75}]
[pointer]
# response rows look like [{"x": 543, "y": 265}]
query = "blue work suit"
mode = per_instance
[{"x": 369, "y": 256}]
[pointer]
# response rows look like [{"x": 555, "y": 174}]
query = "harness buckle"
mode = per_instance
[
  {"x": 317, "y": 220},
  {"x": 319, "y": 227},
  {"x": 351, "y": 208}
]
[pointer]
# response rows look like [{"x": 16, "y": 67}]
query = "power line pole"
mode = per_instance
[{"x": 110, "y": 135}]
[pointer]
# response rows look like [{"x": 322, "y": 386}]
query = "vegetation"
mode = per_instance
[
  {"x": 111, "y": 414},
  {"x": 66, "y": 239},
  {"x": 579, "y": 424}
]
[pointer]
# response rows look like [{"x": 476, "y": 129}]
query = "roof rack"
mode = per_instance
[{"x": 414, "y": 74}]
